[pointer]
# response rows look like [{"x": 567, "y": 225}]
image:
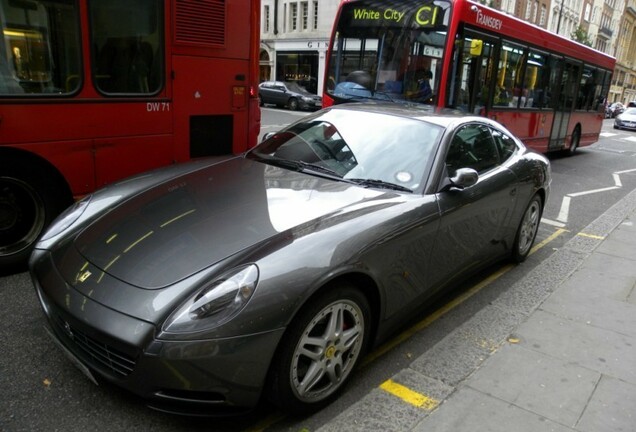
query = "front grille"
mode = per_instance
[{"x": 97, "y": 354}]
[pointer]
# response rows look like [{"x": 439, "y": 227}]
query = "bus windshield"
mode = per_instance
[{"x": 388, "y": 50}]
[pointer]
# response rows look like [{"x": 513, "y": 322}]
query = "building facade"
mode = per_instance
[{"x": 294, "y": 40}]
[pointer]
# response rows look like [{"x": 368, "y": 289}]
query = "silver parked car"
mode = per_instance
[
  {"x": 212, "y": 284},
  {"x": 626, "y": 120}
]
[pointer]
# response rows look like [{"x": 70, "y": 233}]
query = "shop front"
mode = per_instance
[{"x": 301, "y": 61}]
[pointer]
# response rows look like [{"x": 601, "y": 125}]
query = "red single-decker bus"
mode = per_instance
[{"x": 461, "y": 55}]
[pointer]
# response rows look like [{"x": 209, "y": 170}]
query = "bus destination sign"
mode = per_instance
[{"x": 422, "y": 16}]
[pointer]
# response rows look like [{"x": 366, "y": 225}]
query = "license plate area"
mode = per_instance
[{"x": 72, "y": 358}]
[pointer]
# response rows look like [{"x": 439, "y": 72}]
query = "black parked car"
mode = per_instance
[{"x": 288, "y": 94}]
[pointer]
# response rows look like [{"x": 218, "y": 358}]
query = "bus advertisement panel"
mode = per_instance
[
  {"x": 461, "y": 55},
  {"x": 95, "y": 91}
]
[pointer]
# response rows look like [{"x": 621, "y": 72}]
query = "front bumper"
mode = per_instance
[
  {"x": 625, "y": 124},
  {"x": 217, "y": 376}
]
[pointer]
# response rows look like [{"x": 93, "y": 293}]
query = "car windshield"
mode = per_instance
[
  {"x": 370, "y": 149},
  {"x": 292, "y": 86}
]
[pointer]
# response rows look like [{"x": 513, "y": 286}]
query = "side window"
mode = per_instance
[
  {"x": 536, "y": 81},
  {"x": 39, "y": 48},
  {"x": 509, "y": 91},
  {"x": 127, "y": 44},
  {"x": 472, "y": 147},
  {"x": 505, "y": 144}
]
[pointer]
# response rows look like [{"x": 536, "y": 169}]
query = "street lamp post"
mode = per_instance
[{"x": 560, "y": 15}]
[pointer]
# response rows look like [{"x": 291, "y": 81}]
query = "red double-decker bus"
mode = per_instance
[
  {"x": 458, "y": 54},
  {"x": 94, "y": 91}
]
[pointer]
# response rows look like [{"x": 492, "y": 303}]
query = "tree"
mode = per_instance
[{"x": 580, "y": 35}]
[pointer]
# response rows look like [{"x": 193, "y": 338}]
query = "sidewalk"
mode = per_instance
[{"x": 567, "y": 360}]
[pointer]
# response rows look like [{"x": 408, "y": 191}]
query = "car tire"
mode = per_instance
[
  {"x": 616, "y": 127},
  {"x": 28, "y": 204},
  {"x": 319, "y": 350},
  {"x": 292, "y": 104},
  {"x": 527, "y": 230}
]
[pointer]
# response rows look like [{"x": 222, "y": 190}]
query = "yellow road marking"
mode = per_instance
[
  {"x": 592, "y": 236},
  {"x": 407, "y": 395}
]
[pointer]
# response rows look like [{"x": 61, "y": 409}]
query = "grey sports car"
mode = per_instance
[{"x": 209, "y": 285}]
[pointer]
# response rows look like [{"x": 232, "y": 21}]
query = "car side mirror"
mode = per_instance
[
  {"x": 268, "y": 135},
  {"x": 464, "y": 178}
]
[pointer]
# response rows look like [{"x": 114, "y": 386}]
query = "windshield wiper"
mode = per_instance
[
  {"x": 300, "y": 166},
  {"x": 378, "y": 184}
]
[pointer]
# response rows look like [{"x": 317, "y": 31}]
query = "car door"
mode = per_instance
[
  {"x": 279, "y": 93},
  {"x": 474, "y": 221},
  {"x": 266, "y": 90}
]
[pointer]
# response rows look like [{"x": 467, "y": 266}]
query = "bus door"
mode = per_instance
[
  {"x": 473, "y": 80},
  {"x": 567, "y": 76}
]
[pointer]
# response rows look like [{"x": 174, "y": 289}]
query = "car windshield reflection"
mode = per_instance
[{"x": 373, "y": 150}]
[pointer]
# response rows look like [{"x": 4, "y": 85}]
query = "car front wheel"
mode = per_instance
[
  {"x": 527, "y": 231},
  {"x": 322, "y": 346},
  {"x": 293, "y": 104}
]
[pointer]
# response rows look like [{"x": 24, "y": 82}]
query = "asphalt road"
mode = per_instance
[{"x": 40, "y": 390}]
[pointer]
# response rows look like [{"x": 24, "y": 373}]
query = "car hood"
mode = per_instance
[{"x": 179, "y": 227}]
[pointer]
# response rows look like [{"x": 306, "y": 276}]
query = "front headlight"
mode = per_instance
[
  {"x": 215, "y": 304},
  {"x": 307, "y": 99},
  {"x": 66, "y": 218}
]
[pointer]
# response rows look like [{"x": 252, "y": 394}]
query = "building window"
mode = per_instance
[
  {"x": 305, "y": 14},
  {"x": 315, "y": 14},
  {"x": 293, "y": 15},
  {"x": 266, "y": 19},
  {"x": 544, "y": 13}
]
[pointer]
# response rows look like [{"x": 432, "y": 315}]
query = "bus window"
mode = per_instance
[
  {"x": 40, "y": 49},
  {"x": 568, "y": 85},
  {"x": 536, "y": 80},
  {"x": 126, "y": 39},
  {"x": 590, "y": 89},
  {"x": 473, "y": 74},
  {"x": 509, "y": 89}
]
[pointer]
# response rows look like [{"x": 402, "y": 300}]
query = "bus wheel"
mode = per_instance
[
  {"x": 27, "y": 206},
  {"x": 576, "y": 139}
]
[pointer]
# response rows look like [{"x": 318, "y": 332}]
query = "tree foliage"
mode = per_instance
[{"x": 580, "y": 35}]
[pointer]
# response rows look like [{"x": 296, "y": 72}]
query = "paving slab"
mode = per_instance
[
  {"x": 601, "y": 299},
  {"x": 471, "y": 411},
  {"x": 595, "y": 348},
  {"x": 612, "y": 408},
  {"x": 537, "y": 383}
]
